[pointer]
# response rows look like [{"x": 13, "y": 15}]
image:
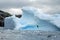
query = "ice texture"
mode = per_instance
[
  {"x": 28, "y": 35},
  {"x": 11, "y": 23},
  {"x": 43, "y": 20},
  {"x": 32, "y": 19}
]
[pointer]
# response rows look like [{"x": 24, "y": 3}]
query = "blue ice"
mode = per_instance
[{"x": 32, "y": 19}]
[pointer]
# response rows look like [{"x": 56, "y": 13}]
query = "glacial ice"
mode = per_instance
[{"x": 32, "y": 19}]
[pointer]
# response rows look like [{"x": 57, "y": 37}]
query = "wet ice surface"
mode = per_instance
[{"x": 28, "y": 35}]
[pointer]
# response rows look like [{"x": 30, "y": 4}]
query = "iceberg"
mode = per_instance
[
  {"x": 32, "y": 19},
  {"x": 44, "y": 21},
  {"x": 9, "y": 22}
]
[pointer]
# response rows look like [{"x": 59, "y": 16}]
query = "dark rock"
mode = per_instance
[
  {"x": 19, "y": 16},
  {"x": 2, "y": 16}
]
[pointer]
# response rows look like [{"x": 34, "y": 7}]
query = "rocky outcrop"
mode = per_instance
[{"x": 2, "y": 16}]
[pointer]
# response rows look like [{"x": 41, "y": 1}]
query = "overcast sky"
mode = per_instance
[{"x": 48, "y": 6}]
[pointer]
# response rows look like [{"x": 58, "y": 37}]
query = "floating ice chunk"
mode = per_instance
[
  {"x": 40, "y": 18},
  {"x": 8, "y": 23},
  {"x": 12, "y": 23},
  {"x": 32, "y": 19}
]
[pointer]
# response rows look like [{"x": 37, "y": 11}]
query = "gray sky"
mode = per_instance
[{"x": 48, "y": 6}]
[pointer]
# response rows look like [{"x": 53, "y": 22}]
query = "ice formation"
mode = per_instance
[{"x": 32, "y": 19}]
